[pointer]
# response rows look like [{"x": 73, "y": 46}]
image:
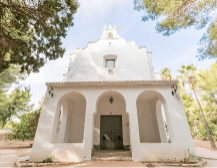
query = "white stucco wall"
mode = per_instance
[
  {"x": 148, "y": 127},
  {"x": 76, "y": 129},
  {"x": 181, "y": 140},
  {"x": 132, "y": 62}
]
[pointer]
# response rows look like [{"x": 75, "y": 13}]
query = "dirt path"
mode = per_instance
[
  {"x": 10, "y": 151},
  {"x": 9, "y": 156}
]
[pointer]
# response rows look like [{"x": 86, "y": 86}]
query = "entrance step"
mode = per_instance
[{"x": 111, "y": 155}]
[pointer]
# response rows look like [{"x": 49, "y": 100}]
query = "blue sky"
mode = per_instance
[{"x": 170, "y": 52}]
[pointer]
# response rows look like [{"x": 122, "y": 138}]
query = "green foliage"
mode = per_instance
[
  {"x": 205, "y": 81},
  {"x": 7, "y": 78},
  {"x": 191, "y": 156},
  {"x": 202, "y": 132},
  {"x": 26, "y": 129},
  {"x": 194, "y": 157},
  {"x": 48, "y": 160},
  {"x": 31, "y": 31},
  {"x": 188, "y": 75},
  {"x": 9, "y": 125},
  {"x": 8, "y": 103},
  {"x": 16, "y": 103},
  {"x": 165, "y": 74},
  {"x": 208, "y": 42},
  {"x": 208, "y": 83},
  {"x": 173, "y": 15}
]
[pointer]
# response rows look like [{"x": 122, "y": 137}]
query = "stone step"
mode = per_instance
[
  {"x": 111, "y": 155},
  {"x": 111, "y": 159}
]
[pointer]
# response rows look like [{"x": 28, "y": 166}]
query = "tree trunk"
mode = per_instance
[
  {"x": 214, "y": 98},
  {"x": 212, "y": 143}
]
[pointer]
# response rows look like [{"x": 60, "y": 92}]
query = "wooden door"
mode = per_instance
[{"x": 111, "y": 136}]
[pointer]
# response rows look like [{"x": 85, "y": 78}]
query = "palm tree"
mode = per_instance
[
  {"x": 188, "y": 76},
  {"x": 165, "y": 74}
]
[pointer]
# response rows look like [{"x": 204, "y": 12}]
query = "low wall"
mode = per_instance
[
  {"x": 62, "y": 152},
  {"x": 159, "y": 152}
]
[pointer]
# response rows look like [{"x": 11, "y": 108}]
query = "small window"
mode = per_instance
[{"x": 110, "y": 63}]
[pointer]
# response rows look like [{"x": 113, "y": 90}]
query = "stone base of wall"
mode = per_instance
[{"x": 96, "y": 147}]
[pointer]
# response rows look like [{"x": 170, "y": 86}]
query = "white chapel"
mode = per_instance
[{"x": 111, "y": 98}]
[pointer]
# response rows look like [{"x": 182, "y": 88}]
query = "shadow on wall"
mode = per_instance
[
  {"x": 153, "y": 127},
  {"x": 65, "y": 118},
  {"x": 70, "y": 124}
]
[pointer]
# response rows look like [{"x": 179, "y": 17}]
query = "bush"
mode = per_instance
[
  {"x": 48, "y": 160},
  {"x": 9, "y": 125},
  {"x": 26, "y": 129},
  {"x": 202, "y": 133}
]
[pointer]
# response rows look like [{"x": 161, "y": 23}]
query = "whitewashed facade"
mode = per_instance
[{"x": 153, "y": 122}]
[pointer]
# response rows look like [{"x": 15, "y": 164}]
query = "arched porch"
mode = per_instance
[
  {"x": 153, "y": 118},
  {"x": 140, "y": 107},
  {"x": 111, "y": 122},
  {"x": 69, "y": 119}
]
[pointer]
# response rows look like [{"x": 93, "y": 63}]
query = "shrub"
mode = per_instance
[
  {"x": 26, "y": 129},
  {"x": 9, "y": 125},
  {"x": 202, "y": 133},
  {"x": 48, "y": 160}
]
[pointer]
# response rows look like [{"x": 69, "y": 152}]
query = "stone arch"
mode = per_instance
[
  {"x": 153, "y": 117},
  {"x": 69, "y": 122},
  {"x": 105, "y": 108}
]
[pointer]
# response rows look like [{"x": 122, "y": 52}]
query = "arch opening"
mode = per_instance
[
  {"x": 111, "y": 122},
  {"x": 69, "y": 119},
  {"x": 152, "y": 118}
]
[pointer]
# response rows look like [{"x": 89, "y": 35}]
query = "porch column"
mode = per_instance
[
  {"x": 88, "y": 128},
  {"x": 134, "y": 128}
]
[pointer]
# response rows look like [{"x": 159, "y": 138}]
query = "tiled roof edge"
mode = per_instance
[{"x": 114, "y": 82}]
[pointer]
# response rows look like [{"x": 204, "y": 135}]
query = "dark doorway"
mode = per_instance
[{"x": 111, "y": 136}]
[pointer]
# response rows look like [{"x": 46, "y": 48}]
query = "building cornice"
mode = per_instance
[{"x": 113, "y": 83}]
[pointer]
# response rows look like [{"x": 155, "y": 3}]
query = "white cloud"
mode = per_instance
[
  {"x": 34, "y": 78},
  {"x": 97, "y": 7},
  {"x": 127, "y": 28},
  {"x": 189, "y": 54}
]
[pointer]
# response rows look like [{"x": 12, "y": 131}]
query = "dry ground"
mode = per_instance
[
  {"x": 7, "y": 144},
  {"x": 203, "y": 144},
  {"x": 10, "y": 151}
]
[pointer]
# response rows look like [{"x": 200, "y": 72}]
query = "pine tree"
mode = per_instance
[
  {"x": 173, "y": 15},
  {"x": 31, "y": 31}
]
